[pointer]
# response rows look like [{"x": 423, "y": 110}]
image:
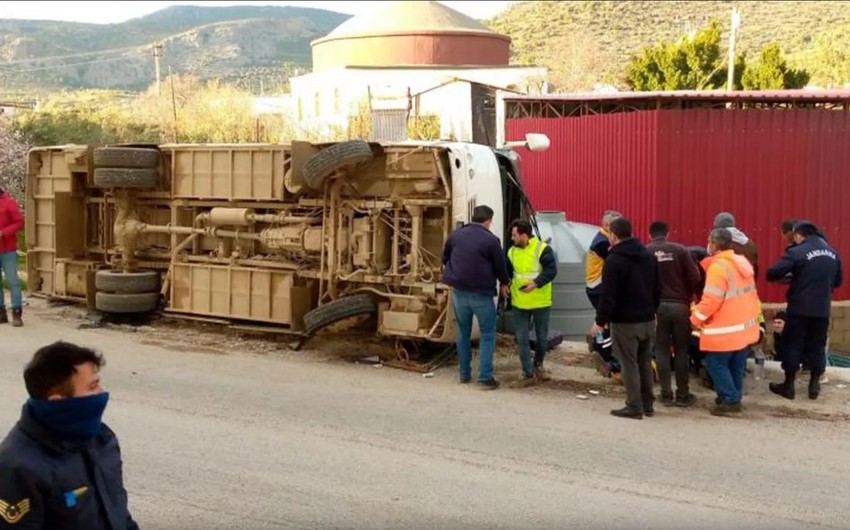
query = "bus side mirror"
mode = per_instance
[{"x": 537, "y": 142}]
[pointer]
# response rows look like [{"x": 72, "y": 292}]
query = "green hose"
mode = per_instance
[{"x": 839, "y": 361}]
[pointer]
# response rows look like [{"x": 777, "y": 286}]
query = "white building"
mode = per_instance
[{"x": 405, "y": 62}]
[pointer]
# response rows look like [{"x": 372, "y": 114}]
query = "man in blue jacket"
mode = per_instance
[
  {"x": 60, "y": 466},
  {"x": 814, "y": 271},
  {"x": 474, "y": 262}
]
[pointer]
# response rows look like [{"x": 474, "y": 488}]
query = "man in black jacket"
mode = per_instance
[
  {"x": 814, "y": 269},
  {"x": 629, "y": 298},
  {"x": 680, "y": 278},
  {"x": 60, "y": 467},
  {"x": 474, "y": 262}
]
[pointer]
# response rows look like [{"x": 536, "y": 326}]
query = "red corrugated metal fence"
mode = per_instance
[{"x": 685, "y": 166}]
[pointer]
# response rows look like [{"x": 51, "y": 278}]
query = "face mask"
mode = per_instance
[{"x": 73, "y": 417}]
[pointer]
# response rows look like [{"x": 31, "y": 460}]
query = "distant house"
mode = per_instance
[{"x": 9, "y": 110}]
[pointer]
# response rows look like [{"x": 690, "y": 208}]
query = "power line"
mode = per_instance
[
  {"x": 58, "y": 66},
  {"x": 73, "y": 55}
]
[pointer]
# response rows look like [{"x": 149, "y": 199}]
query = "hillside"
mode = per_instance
[
  {"x": 237, "y": 41},
  {"x": 601, "y": 36},
  {"x": 583, "y": 42}
]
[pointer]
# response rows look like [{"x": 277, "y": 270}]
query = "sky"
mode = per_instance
[{"x": 111, "y": 12}]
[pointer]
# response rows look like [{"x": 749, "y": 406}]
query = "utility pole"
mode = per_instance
[
  {"x": 736, "y": 23},
  {"x": 173, "y": 105},
  {"x": 157, "y": 55}
]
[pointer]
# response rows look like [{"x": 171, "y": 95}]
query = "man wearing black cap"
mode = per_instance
[{"x": 814, "y": 270}]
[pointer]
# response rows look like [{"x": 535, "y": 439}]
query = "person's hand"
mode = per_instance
[
  {"x": 528, "y": 287},
  {"x": 596, "y": 329},
  {"x": 506, "y": 291}
]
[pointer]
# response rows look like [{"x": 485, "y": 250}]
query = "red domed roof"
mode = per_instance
[{"x": 411, "y": 33}]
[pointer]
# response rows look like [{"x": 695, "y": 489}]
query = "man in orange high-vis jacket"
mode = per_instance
[{"x": 728, "y": 319}]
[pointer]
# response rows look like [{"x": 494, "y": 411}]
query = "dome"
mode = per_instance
[{"x": 411, "y": 33}]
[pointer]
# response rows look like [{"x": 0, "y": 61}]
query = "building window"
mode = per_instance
[
  {"x": 300, "y": 109},
  {"x": 318, "y": 104}
]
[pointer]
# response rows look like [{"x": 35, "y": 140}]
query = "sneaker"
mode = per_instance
[
  {"x": 542, "y": 374},
  {"x": 465, "y": 380},
  {"x": 525, "y": 381},
  {"x": 649, "y": 411},
  {"x": 4, "y": 317},
  {"x": 601, "y": 365},
  {"x": 725, "y": 410},
  {"x": 627, "y": 412},
  {"x": 492, "y": 384},
  {"x": 688, "y": 401},
  {"x": 667, "y": 400}
]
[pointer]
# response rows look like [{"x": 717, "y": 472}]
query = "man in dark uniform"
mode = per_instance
[
  {"x": 814, "y": 270},
  {"x": 60, "y": 467}
]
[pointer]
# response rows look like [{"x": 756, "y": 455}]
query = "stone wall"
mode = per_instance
[{"x": 839, "y": 326}]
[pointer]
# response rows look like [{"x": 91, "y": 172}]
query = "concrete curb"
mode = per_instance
[{"x": 774, "y": 368}]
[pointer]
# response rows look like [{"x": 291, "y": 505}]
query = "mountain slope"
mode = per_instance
[
  {"x": 611, "y": 32},
  {"x": 209, "y": 41}
]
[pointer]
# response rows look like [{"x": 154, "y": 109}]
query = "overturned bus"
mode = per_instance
[{"x": 298, "y": 237}]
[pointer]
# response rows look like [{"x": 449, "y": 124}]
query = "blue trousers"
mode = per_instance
[
  {"x": 727, "y": 372},
  {"x": 482, "y": 307},
  {"x": 9, "y": 269},
  {"x": 522, "y": 322}
]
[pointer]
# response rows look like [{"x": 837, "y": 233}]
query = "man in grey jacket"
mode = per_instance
[{"x": 741, "y": 244}]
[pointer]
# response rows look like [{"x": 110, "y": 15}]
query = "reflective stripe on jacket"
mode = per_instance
[
  {"x": 729, "y": 311},
  {"x": 526, "y": 267}
]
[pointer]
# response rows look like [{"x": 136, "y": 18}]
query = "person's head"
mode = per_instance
[
  {"x": 724, "y": 220},
  {"x": 521, "y": 232},
  {"x": 62, "y": 370},
  {"x": 803, "y": 230},
  {"x": 719, "y": 240},
  {"x": 621, "y": 229},
  {"x": 788, "y": 229},
  {"x": 608, "y": 217},
  {"x": 658, "y": 230},
  {"x": 482, "y": 215}
]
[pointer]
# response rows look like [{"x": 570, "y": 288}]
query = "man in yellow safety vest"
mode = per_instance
[{"x": 532, "y": 266}]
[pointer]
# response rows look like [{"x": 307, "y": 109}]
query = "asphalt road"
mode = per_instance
[{"x": 284, "y": 441}]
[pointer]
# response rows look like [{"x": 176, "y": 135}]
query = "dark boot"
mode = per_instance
[
  {"x": 628, "y": 412},
  {"x": 4, "y": 318},
  {"x": 785, "y": 389},
  {"x": 16, "y": 318},
  {"x": 814, "y": 386}
]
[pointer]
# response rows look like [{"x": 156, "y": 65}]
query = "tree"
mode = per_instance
[
  {"x": 692, "y": 63},
  {"x": 829, "y": 62},
  {"x": 13, "y": 160},
  {"x": 772, "y": 72}
]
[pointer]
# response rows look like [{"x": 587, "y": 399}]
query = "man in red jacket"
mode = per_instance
[{"x": 11, "y": 223}]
